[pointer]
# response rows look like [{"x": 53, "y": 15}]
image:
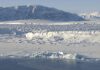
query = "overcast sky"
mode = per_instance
[{"x": 75, "y": 6}]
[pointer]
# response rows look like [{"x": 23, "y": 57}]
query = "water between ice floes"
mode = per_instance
[{"x": 47, "y": 64}]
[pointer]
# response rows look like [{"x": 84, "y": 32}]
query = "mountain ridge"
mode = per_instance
[{"x": 36, "y": 12}]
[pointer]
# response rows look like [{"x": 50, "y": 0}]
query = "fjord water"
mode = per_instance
[{"x": 47, "y": 64}]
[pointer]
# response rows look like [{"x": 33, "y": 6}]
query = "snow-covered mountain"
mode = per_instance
[
  {"x": 92, "y": 15},
  {"x": 36, "y": 12}
]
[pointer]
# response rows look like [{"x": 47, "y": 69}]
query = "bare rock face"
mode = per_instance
[{"x": 36, "y": 12}]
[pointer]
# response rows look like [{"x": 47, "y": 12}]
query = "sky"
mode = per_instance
[{"x": 74, "y": 6}]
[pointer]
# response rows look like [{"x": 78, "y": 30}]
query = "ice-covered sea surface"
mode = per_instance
[{"x": 50, "y": 46}]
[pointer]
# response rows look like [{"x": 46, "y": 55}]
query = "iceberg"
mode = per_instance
[{"x": 60, "y": 55}]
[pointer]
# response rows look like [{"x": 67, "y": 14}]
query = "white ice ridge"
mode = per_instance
[{"x": 64, "y": 35}]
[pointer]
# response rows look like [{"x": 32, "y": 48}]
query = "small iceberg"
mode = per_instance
[
  {"x": 74, "y": 56},
  {"x": 70, "y": 56},
  {"x": 51, "y": 55}
]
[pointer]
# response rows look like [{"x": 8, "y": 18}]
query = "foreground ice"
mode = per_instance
[{"x": 48, "y": 55}]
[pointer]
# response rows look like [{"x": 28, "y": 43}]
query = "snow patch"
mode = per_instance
[
  {"x": 11, "y": 23},
  {"x": 29, "y": 35}
]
